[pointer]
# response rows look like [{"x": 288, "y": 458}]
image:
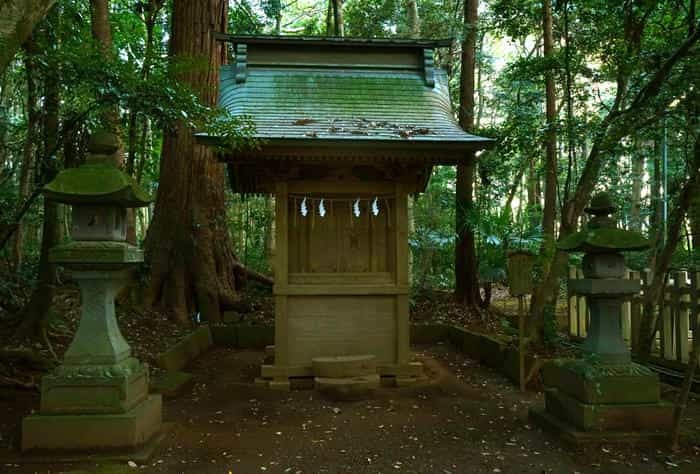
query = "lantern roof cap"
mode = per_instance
[
  {"x": 97, "y": 182},
  {"x": 602, "y": 235},
  {"x": 602, "y": 204}
]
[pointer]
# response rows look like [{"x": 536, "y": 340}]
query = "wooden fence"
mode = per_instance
[{"x": 676, "y": 324}]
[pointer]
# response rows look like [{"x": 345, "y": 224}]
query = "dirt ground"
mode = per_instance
[{"x": 466, "y": 419}]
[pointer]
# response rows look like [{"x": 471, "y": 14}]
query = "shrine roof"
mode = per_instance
[{"x": 302, "y": 91}]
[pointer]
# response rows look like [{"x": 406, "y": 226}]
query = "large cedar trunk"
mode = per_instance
[
  {"x": 37, "y": 310},
  {"x": 29, "y": 146},
  {"x": 188, "y": 246},
  {"x": 19, "y": 17},
  {"x": 339, "y": 22},
  {"x": 544, "y": 297},
  {"x": 466, "y": 268}
]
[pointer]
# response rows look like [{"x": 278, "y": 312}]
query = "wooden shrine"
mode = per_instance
[{"x": 348, "y": 129}]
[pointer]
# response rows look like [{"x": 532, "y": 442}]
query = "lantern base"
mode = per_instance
[
  {"x": 70, "y": 433},
  {"x": 92, "y": 389},
  {"x": 574, "y": 436},
  {"x": 594, "y": 402}
]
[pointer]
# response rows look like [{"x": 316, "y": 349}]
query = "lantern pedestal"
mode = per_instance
[
  {"x": 587, "y": 402},
  {"x": 97, "y": 400},
  {"x": 98, "y": 397},
  {"x": 603, "y": 396}
]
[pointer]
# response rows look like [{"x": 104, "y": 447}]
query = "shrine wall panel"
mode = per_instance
[
  {"x": 341, "y": 325},
  {"x": 341, "y": 241}
]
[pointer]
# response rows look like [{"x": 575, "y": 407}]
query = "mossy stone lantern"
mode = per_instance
[
  {"x": 98, "y": 397},
  {"x": 604, "y": 283},
  {"x": 604, "y": 394}
]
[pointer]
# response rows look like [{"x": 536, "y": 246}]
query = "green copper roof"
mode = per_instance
[
  {"x": 313, "y": 105},
  {"x": 97, "y": 184}
]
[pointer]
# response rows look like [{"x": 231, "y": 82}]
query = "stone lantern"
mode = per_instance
[
  {"x": 603, "y": 394},
  {"x": 98, "y": 397}
]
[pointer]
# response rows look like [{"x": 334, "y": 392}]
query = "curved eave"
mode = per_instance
[{"x": 433, "y": 151}]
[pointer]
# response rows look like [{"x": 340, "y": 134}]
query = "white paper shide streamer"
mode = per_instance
[
  {"x": 321, "y": 209},
  {"x": 304, "y": 209},
  {"x": 356, "y": 208}
]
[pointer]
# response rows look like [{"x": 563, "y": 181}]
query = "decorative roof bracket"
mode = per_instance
[
  {"x": 429, "y": 66},
  {"x": 241, "y": 63}
]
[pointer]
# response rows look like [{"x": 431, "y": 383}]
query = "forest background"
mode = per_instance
[{"x": 580, "y": 96}]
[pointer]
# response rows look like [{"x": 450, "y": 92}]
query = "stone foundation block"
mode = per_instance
[
  {"x": 626, "y": 384},
  {"x": 574, "y": 436},
  {"x": 73, "y": 432},
  {"x": 94, "y": 389},
  {"x": 609, "y": 417},
  {"x": 349, "y": 388},
  {"x": 344, "y": 366}
]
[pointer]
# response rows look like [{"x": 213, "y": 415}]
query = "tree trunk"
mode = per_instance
[
  {"x": 102, "y": 33},
  {"x": 664, "y": 254},
  {"x": 338, "y": 18},
  {"x": 534, "y": 196},
  {"x": 544, "y": 302},
  {"x": 36, "y": 312},
  {"x": 466, "y": 268},
  {"x": 329, "y": 18},
  {"x": 192, "y": 265},
  {"x": 617, "y": 124},
  {"x": 412, "y": 18},
  {"x": 29, "y": 147},
  {"x": 637, "y": 180},
  {"x": 683, "y": 395},
  {"x": 19, "y": 17}
]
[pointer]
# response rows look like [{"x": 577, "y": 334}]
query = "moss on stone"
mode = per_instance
[
  {"x": 603, "y": 239},
  {"x": 98, "y": 183}
]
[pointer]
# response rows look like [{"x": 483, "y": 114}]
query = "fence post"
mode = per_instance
[
  {"x": 573, "y": 305},
  {"x": 667, "y": 340},
  {"x": 694, "y": 310},
  {"x": 635, "y": 315},
  {"x": 626, "y": 314},
  {"x": 583, "y": 318},
  {"x": 683, "y": 316}
]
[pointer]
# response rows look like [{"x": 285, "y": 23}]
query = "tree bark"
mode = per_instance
[
  {"x": 617, "y": 124},
  {"x": 636, "y": 197},
  {"x": 338, "y": 18},
  {"x": 329, "y": 18},
  {"x": 29, "y": 150},
  {"x": 412, "y": 18},
  {"x": 466, "y": 268},
  {"x": 192, "y": 265},
  {"x": 17, "y": 21},
  {"x": 543, "y": 301},
  {"x": 664, "y": 254},
  {"x": 36, "y": 312}
]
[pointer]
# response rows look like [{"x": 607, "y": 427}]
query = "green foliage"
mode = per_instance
[
  {"x": 236, "y": 133},
  {"x": 371, "y": 18}
]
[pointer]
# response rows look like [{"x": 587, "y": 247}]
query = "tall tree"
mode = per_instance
[
  {"x": 338, "y": 21},
  {"x": 547, "y": 300},
  {"x": 192, "y": 265},
  {"x": 412, "y": 18},
  {"x": 36, "y": 312},
  {"x": 17, "y": 20},
  {"x": 644, "y": 104},
  {"x": 466, "y": 268},
  {"x": 29, "y": 150},
  {"x": 102, "y": 33}
]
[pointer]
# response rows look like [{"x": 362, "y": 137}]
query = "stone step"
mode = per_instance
[
  {"x": 347, "y": 388},
  {"x": 340, "y": 367}
]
